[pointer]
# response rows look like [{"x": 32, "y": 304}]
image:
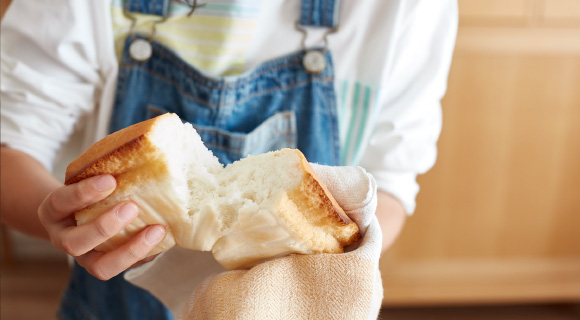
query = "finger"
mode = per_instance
[
  {"x": 78, "y": 240},
  {"x": 69, "y": 199},
  {"x": 104, "y": 266},
  {"x": 148, "y": 259},
  {"x": 95, "y": 255}
]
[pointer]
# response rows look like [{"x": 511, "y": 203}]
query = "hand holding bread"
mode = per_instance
[
  {"x": 255, "y": 209},
  {"x": 56, "y": 214}
]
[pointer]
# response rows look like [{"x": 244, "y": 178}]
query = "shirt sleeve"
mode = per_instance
[
  {"x": 407, "y": 125},
  {"x": 49, "y": 75}
]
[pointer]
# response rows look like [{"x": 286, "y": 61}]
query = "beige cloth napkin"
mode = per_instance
[{"x": 323, "y": 286}]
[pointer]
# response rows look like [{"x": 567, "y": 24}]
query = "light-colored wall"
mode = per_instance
[{"x": 498, "y": 216}]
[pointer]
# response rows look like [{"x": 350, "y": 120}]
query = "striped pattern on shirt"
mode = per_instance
[{"x": 216, "y": 40}]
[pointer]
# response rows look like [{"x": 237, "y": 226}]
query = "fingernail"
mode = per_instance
[
  {"x": 104, "y": 183},
  {"x": 154, "y": 234},
  {"x": 126, "y": 212}
]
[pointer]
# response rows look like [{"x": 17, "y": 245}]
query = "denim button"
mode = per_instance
[
  {"x": 140, "y": 50},
  {"x": 314, "y": 62}
]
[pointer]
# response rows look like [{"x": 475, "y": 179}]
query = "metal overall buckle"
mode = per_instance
[
  {"x": 140, "y": 49},
  {"x": 314, "y": 61}
]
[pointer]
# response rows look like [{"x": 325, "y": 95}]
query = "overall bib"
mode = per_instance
[{"x": 278, "y": 104}]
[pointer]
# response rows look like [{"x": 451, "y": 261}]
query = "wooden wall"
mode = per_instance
[{"x": 498, "y": 217}]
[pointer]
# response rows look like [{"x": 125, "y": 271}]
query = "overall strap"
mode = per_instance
[
  {"x": 319, "y": 13},
  {"x": 152, "y": 7}
]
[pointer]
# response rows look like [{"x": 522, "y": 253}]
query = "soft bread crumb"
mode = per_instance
[{"x": 255, "y": 209}]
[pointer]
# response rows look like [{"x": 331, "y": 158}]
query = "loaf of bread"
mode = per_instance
[{"x": 255, "y": 209}]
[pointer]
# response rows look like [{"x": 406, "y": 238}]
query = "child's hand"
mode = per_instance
[{"x": 57, "y": 215}]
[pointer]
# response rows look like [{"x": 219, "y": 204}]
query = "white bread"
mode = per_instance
[{"x": 255, "y": 209}]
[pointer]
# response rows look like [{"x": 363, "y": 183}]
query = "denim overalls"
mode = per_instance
[{"x": 278, "y": 104}]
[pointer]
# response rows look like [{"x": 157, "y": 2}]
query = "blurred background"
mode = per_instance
[{"x": 496, "y": 234}]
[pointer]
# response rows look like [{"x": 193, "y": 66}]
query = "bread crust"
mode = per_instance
[
  {"x": 132, "y": 158},
  {"x": 115, "y": 153},
  {"x": 313, "y": 193}
]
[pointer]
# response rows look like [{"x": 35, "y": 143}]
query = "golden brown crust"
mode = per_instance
[
  {"x": 323, "y": 191},
  {"x": 113, "y": 153},
  {"x": 313, "y": 195}
]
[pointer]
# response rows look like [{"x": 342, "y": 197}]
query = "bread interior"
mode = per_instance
[
  {"x": 262, "y": 223},
  {"x": 233, "y": 214},
  {"x": 255, "y": 209}
]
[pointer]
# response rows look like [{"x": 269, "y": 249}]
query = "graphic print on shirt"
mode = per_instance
[{"x": 356, "y": 103}]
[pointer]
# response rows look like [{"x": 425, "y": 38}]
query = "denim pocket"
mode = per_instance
[{"x": 277, "y": 132}]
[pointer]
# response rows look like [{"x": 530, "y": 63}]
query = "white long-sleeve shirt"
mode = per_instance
[{"x": 59, "y": 68}]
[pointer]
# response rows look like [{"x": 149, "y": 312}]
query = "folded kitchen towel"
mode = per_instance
[{"x": 320, "y": 286}]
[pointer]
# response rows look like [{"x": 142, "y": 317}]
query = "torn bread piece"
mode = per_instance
[{"x": 255, "y": 209}]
